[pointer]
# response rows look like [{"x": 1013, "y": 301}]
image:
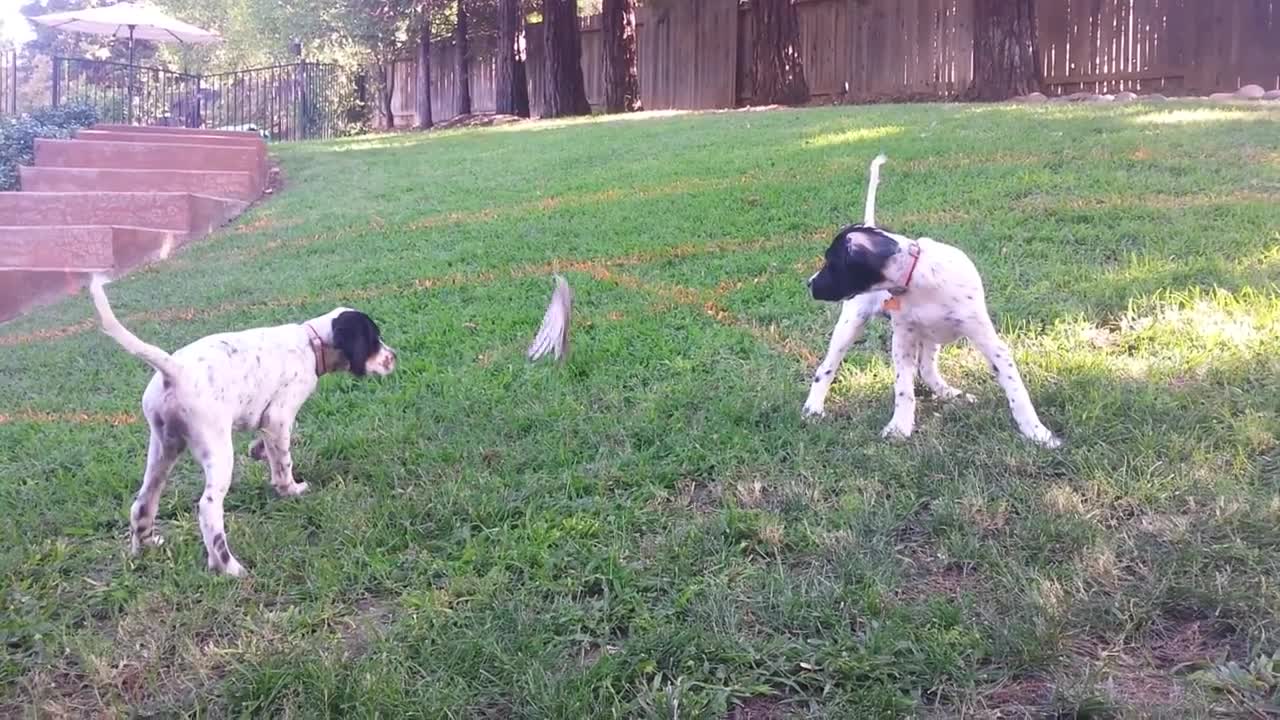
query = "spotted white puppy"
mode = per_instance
[
  {"x": 249, "y": 380},
  {"x": 932, "y": 295}
]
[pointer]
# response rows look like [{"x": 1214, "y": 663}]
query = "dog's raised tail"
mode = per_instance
[
  {"x": 869, "y": 214},
  {"x": 162, "y": 361}
]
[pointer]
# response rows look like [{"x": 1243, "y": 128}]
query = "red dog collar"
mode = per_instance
[{"x": 317, "y": 346}]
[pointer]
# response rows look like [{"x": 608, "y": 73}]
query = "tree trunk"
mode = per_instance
[
  {"x": 511, "y": 82},
  {"x": 388, "y": 93},
  {"x": 460, "y": 47},
  {"x": 777, "y": 69},
  {"x": 621, "y": 80},
  {"x": 423, "y": 80},
  {"x": 564, "y": 92},
  {"x": 1006, "y": 58}
]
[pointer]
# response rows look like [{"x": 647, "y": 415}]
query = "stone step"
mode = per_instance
[
  {"x": 83, "y": 247},
  {"x": 41, "y": 264},
  {"x": 176, "y": 211},
  {"x": 22, "y": 290},
  {"x": 134, "y": 246},
  {"x": 242, "y": 140},
  {"x": 164, "y": 130},
  {"x": 237, "y": 185},
  {"x": 150, "y": 156}
]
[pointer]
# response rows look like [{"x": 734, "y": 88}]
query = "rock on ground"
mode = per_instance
[{"x": 1251, "y": 92}]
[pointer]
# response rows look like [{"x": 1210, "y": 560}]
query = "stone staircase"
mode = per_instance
[{"x": 115, "y": 197}]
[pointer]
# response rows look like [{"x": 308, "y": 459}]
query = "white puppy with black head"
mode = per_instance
[
  {"x": 249, "y": 380},
  {"x": 932, "y": 295}
]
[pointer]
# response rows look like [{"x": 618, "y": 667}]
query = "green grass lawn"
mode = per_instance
[{"x": 652, "y": 530}]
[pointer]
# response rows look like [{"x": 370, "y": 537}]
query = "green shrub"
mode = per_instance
[{"x": 18, "y": 135}]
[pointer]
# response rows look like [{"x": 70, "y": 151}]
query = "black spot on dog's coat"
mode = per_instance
[{"x": 220, "y": 547}]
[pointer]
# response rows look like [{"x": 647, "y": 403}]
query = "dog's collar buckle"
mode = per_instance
[{"x": 317, "y": 347}]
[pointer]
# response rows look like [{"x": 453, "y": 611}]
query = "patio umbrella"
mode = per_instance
[{"x": 131, "y": 20}]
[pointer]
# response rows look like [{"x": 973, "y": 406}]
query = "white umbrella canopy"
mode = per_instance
[{"x": 129, "y": 20}]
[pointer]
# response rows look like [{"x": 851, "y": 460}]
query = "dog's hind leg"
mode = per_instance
[
  {"x": 162, "y": 452},
  {"x": 1006, "y": 374},
  {"x": 853, "y": 319},
  {"x": 216, "y": 455},
  {"x": 929, "y": 373}
]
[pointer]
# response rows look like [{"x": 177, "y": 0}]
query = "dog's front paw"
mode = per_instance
[
  {"x": 292, "y": 490},
  {"x": 814, "y": 410},
  {"x": 1048, "y": 441},
  {"x": 232, "y": 568},
  {"x": 152, "y": 540},
  {"x": 897, "y": 430}
]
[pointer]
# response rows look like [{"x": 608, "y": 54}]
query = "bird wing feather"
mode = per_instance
[{"x": 553, "y": 335}]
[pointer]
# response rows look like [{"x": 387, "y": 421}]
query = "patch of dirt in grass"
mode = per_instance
[
  {"x": 59, "y": 692},
  {"x": 494, "y": 711},
  {"x": 927, "y": 571},
  {"x": 359, "y": 630},
  {"x": 1179, "y": 639},
  {"x": 153, "y": 664},
  {"x": 931, "y": 576},
  {"x": 47, "y": 334},
  {"x": 71, "y": 418},
  {"x": 1027, "y": 696},
  {"x": 591, "y": 652},
  {"x": 757, "y": 708},
  {"x": 262, "y": 223},
  {"x": 1145, "y": 673},
  {"x": 699, "y": 496}
]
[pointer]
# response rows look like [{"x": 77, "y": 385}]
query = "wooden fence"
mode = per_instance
[
  {"x": 1179, "y": 46},
  {"x": 696, "y": 54}
]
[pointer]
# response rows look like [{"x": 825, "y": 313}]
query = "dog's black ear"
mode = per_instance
[{"x": 356, "y": 336}]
